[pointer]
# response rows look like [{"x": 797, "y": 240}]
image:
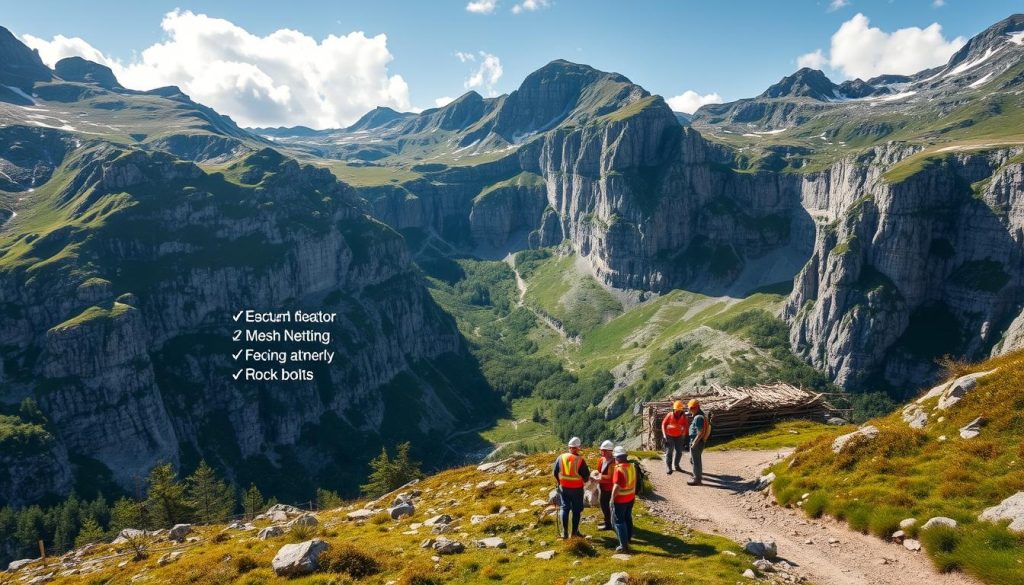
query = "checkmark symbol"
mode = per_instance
[
  {"x": 238, "y": 353},
  {"x": 237, "y": 336},
  {"x": 238, "y": 316},
  {"x": 236, "y": 375}
]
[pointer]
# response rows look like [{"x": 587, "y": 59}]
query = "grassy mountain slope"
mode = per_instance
[
  {"x": 381, "y": 550},
  {"x": 908, "y": 473}
]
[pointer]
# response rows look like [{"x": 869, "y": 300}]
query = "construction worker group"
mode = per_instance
[{"x": 618, "y": 478}]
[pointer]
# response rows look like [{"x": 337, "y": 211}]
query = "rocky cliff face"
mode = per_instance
[
  {"x": 907, "y": 268},
  {"x": 120, "y": 322}
]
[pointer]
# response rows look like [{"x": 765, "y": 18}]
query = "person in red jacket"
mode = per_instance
[
  {"x": 623, "y": 494},
  {"x": 674, "y": 428},
  {"x": 605, "y": 469}
]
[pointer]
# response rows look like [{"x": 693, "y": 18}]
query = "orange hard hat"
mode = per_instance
[
  {"x": 694, "y": 405},
  {"x": 677, "y": 405}
]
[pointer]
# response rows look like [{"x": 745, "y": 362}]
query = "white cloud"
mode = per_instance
[
  {"x": 482, "y": 6},
  {"x": 938, "y": 3},
  {"x": 815, "y": 60},
  {"x": 443, "y": 101},
  {"x": 530, "y": 6},
  {"x": 284, "y": 78},
  {"x": 837, "y": 4},
  {"x": 689, "y": 101},
  {"x": 860, "y": 50},
  {"x": 487, "y": 72}
]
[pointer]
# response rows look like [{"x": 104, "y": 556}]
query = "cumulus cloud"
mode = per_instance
[
  {"x": 482, "y": 6},
  {"x": 815, "y": 60},
  {"x": 443, "y": 101},
  {"x": 530, "y": 6},
  {"x": 860, "y": 50},
  {"x": 837, "y": 4},
  {"x": 688, "y": 101},
  {"x": 285, "y": 78},
  {"x": 485, "y": 73}
]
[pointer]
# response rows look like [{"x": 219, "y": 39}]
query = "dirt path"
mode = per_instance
[{"x": 824, "y": 551}]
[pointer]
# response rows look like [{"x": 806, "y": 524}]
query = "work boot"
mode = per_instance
[
  {"x": 669, "y": 471},
  {"x": 622, "y": 549},
  {"x": 679, "y": 469},
  {"x": 694, "y": 482}
]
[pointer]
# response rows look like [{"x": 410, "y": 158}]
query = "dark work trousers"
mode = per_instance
[
  {"x": 606, "y": 505},
  {"x": 696, "y": 450},
  {"x": 572, "y": 501},
  {"x": 674, "y": 447},
  {"x": 624, "y": 523}
]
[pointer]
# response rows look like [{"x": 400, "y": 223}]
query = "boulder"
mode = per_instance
[
  {"x": 127, "y": 534},
  {"x": 179, "y": 532},
  {"x": 305, "y": 520},
  {"x": 439, "y": 519},
  {"x": 494, "y": 466},
  {"x": 763, "y": 548},
  {"x": 765, "y": 480},
  {"x": 863, "y": 434},
  {"x": 763, "y": 565},
  {"x": 492, "y": 542},
  {"x": 546, "y": 555},
  {"x": 401, "y": 510},
  {"x": 298, "y": 559},
  {"x": 363, "y": 514},
  {"x": 169, "y": 558},
  {"x": 749, "y": 574},
  {"x": 911, "y": 544},
  {"x": 973, "y": 428},
  {"x": 915, "y": 416},
  {"x": 957, "y": 389},
  {"x": 939, "y": 521},
  {"x": 402, "y": 500},
  {"x": 444, "y": 546},
  {"x": 270, "y": 532},
  {"x": 13, "y": 566},
  {"x": 284, "y": 509},
  {"x": 1012, "y": 509},
  {"x": 618, "y": 579},
  {"x": 836, "y": 421},
  {"x": 554, "y": 498}
]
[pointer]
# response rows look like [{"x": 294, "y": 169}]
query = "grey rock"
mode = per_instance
[
  {"x": 906, "y": 523},
  {"x": 491, "y": 542},
  {"x": 915, "y": 416},
  {"x": 1012, "y": 509},
  {"x": 939, "y": 521},
  {"x": 621, "y": 578},
  {"x": 169, "y": 558},
  {"x": 765, "y": 480},
  {"x": 764, "y": 548},
  {"x": 363, "y": 514},
  {"x": 439, "y": 519},
  {"x": 445, "y": 546},
  {"x": 13, "y": 566},
  {"x": 972, "y": 429},
  {"x": 911, "y": 544},
  {"x": 178, "y": 532},
  {"x": 554, "y": 498},
  {"x": 545, "y": 555},
  {"x": 269, "y": 532},
  {"x": 308, "y": 520},
  {"x": 749, "y": 574},
  {"x": 298, "y": 559},
  {"x": 764, "y": 565},
  {"x": 867, "y": 433}
]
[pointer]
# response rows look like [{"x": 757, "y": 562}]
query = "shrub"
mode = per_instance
[
  {"x": 579, "y": 547},
  {"x": 814, "y": 505},
  {"x": 941, "y": 543},
  {"x": 858, "y": 516},
  {"x": 244, "y": 564},
  {"x": 349, "y": 560},
  {"x": 886, "y": 520}
]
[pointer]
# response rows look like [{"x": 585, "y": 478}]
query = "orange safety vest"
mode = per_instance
[
  {"x": 605, "y": 482},
  {"x": 627, "y": 483},
  {"x": 672, "y": 426},
  {"x": 569, "y": 476}
]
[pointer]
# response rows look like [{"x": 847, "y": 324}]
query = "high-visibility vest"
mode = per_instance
[
  {"x": 606, "y": 477},
  {"x": 626, "y": 493},
  {"x": 569, "y": 475},
  {"x": 672, "y": 426}
]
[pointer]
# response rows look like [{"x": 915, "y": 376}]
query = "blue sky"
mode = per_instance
[{"x": 730, "y": 48}]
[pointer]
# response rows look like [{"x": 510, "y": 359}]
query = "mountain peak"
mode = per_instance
[
  {"x": 85, "y": 71},
  {"x": 990, "y": 40},
  {"x": 20, "y": 66},
  {"x": 377, "y": 117},
  {"x": 805, "y": 82}
]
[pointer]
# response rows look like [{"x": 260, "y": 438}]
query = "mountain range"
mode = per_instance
[{"x": 134, "y": 224}]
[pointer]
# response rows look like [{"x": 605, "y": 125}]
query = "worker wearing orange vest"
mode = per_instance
[
  {"x": 623, "y": 494},
  {"x": 570, "y": 473},
  {"x": 700, "y": 430},
  {"x": 673, "y": 428},
  {"x": 605, "y": 470}
]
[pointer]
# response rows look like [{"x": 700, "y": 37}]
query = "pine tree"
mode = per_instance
[
  {"x": 126, "y": 513},
  {"x": 166, "y": 504},
  {"x": 90, "y": 532},
  {"x": 210, "y": 498},
  {"x": 252, "y": 502},
  {"x": 326, "y": 499},
  {"x": 389, "y": 474}
]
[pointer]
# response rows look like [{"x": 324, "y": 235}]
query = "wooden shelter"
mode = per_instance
[{"x": 737, "y": 410}]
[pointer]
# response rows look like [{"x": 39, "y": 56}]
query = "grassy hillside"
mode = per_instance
[
  {"x": 908, "y": 473},
  {"x": 381, "y": 550}
]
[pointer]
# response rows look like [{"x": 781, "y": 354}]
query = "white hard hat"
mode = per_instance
[
  {"x": 575, "y": 442},
  {"x": 607, "y": 446},
  {"x": 619, "y": 451}
]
